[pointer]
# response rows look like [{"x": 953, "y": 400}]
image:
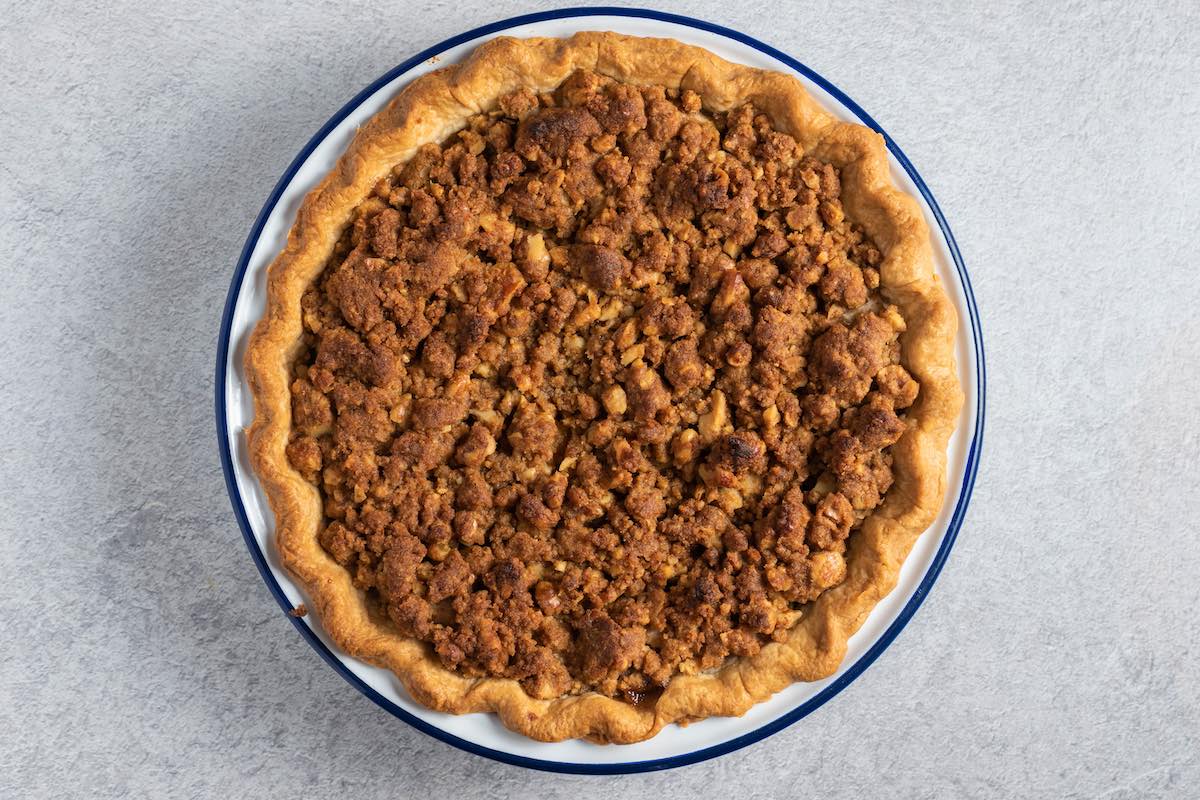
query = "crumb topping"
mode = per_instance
[{"x": 596, "y": 390}]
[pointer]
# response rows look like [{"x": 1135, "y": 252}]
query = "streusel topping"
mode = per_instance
[{"x": 596, "y": 390}]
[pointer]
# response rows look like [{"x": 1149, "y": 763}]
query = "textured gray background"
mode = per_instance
[{"x": 140, "y": 654}]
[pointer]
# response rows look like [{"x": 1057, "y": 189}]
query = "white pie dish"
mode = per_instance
[{"x": 482, "y": 733}]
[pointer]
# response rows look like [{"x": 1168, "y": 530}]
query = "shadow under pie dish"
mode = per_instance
[{"x": 603, "y": 384}]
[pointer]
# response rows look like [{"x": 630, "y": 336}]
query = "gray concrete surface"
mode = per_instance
[{"x": 140, "y": 654}]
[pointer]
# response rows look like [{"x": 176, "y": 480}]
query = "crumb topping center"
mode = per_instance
[{"x": 596, "y": 390}]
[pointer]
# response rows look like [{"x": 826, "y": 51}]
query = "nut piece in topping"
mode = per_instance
[
  {"x": 827, "y": 569},
  {"x": 614, "y": 400},
  {"x": 713, "y": 422}
]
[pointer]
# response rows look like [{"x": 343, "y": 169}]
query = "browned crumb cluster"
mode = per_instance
[{"x": 596, "y": 390}]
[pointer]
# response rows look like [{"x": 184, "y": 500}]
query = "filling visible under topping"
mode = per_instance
[{"x": 596, "y": 390}]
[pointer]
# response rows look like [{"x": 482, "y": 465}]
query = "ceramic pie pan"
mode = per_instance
[{"x": 482, "y": 733}]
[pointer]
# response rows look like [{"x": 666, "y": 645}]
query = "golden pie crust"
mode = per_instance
[{"x": 432, "y": 108}]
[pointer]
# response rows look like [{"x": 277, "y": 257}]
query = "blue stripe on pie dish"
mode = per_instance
[{"x": 801, "y": 711}]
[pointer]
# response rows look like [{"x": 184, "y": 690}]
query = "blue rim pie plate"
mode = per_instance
[{"x": 482, "y": 734}]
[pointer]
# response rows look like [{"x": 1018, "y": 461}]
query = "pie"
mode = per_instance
[{"x": 603, "y": 384}]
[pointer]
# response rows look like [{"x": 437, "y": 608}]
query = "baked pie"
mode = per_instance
[{"x": 603, "y": 384}]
